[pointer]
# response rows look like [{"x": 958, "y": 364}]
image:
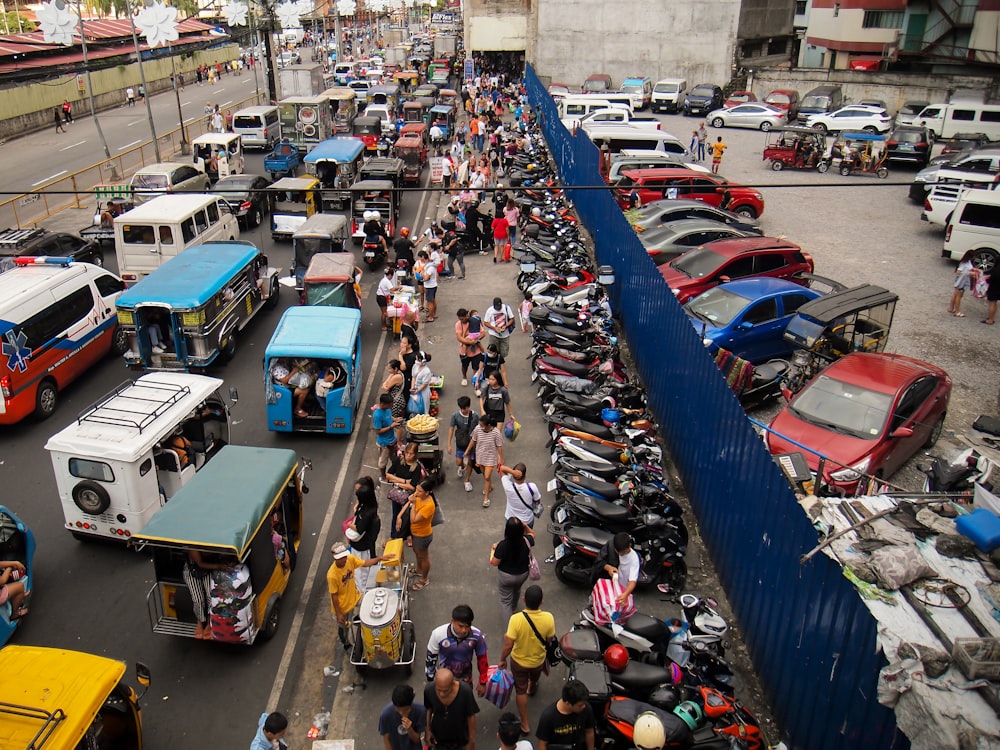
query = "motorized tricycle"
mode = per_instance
[
  {"x": 369, "y": 130},
  {"x": 414, "y": 112},
  {"x": 413, "y": 151},
  {"x": 228, "y": 541},
  {"x": 373, "y": 195},
  {"x": 17, "y": 545},
  {"x": 857, "y": 153},
  {"x": 283, "y": 160},
  {"x": 794, "y": 148},
  {"x": 218, "y": 154},
  {"x": 832, "y": 326},
  {"x": 321, "y": 233}
]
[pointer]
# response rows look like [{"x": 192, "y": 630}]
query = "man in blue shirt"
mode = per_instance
[
  {"x": 402, "y": 722},
  {"x": 385, "y": 435},
  {"x": 270, "y": 732},
  {"x": 455, "y": 645}
]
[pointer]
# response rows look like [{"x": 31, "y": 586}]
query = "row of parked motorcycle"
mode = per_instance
[{"x": 654, "y": 682}]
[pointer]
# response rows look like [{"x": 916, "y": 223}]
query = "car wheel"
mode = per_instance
[
  {"x": 255, "y": 217},
  {"x": 272, "y": 619},
  {"x": 935, "y": 432},
  {"x": 718, "y": 122},
  {"x": 747, "y": 211},
  {"x": 91, "y": 498},
  {"x": 46, "y": 399},
  {"x": 119, "y": 341},
  {"x": 870, "y": 129},
  {"x": 985, "y": 259},
  {"x": 574, "y": 570},
  {"x": 766, "y": 126},
  {"x": 821, "y": 128},
  {"x": 777, "y": 165},
  {"x": 97, "y": 259}
]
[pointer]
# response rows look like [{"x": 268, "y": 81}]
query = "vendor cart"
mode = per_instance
[
  {"x": 424, "y": 431},
  {"x": 383, "y": 632}
]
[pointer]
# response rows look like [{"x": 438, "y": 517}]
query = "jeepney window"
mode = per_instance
[
  {"x": 201, "y": 221},
  {"x": 86, "y": 469},
  {"x": 166, "y": 235},
  {"x": 213, "y": 213},
  {"x": 145, "y": 466},
  {"x": 138, "y": 234},
  {"x": 187, "y": 229}
]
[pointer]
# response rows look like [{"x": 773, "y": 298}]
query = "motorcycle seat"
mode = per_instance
[
  {"x": 770, "y": 370},
  {"x": 649, "y": 627},
  {"x": 602, "y": 470},
  {"x": 579, "y": 369},
  {"x": 638, "y": 675},
  {"x": 607, "y": 452},
  {"x": 604, "y": 489},
  {"x": 572, "y": 422},
  {"x": 610, "y": 513},
  {"x": 588, "y": 536}
]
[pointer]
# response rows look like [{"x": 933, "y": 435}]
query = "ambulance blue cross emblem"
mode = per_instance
[{"x": 15, "y": 350}]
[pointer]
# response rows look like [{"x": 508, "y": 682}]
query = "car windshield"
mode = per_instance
[
  {"x": 701, "y": 91},
  {"x": 717, "y": 306},
  {"x": 149, "y": 181},
  {"x": 816, "y": 101},
  {"x": 665, "y": 88},
  {"x": 843, "y": 407},
  {"x": 778, "y": 99},
  {"x": 630, "y": 89},
  {"x": 698, "y": 263}
]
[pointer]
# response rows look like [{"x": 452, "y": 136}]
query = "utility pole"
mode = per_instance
[{"x": 142, "y": 79}]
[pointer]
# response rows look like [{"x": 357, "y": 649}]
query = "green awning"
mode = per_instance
[{"x": 225, "y": 503}]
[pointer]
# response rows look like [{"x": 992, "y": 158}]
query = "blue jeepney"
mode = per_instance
[
  {"x": 17, "y": 543},
  {"x": 313, "y": 371},
  {"x": 335, "y": 163},
  {"x": 443, "y": 115},
  {"x": 189, "y": 311}
]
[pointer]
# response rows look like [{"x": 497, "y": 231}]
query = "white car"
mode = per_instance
[
  {"x": 747, "y": 115},
  {"x": 852, "y": 117}
]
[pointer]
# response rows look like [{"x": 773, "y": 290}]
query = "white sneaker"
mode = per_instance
[
  {"x": 459, "y": 471},
  {"x": 464, "y": 381},
  {"x": 468, "y": 486},
  {"x": 158, "y": 350}
]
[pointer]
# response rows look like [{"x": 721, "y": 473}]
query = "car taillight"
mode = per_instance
[
  {"x": 892, "y": 143},
  {"x": 265, "y": 132},
  {"x": 947, "y": 232},
  {"x": 922, "y": 144},
  {"x": 5, "y": 386},
  {"x": 245, "y": 205}
]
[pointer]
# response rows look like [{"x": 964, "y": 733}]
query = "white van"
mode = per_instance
[
  {"x": 130, "y": 452},
  {"x": 258, "y": 127},
  {"x": 975, "y": 225},
  {"x": 629, "y": 137},
  {"x": 668, "y": 95},
  {"x": 57, "y": 320},
  {"x": 153, "y": 233},
  {"x": 344, "y": 72},
  {"x": 575, "y": 107},
  {"x": 940, "y": 203},
  {"x": 640, "y": 88},
  {"x": 945, "y": 120}
]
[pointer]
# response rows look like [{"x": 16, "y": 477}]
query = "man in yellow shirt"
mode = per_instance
[
  {"x": 526, "y": 646},
  {"x": 344, "y": 594},
  {"x": 718, "y": 149}
]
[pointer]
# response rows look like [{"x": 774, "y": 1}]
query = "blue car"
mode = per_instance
[
  {"x": 748, "y": 317},
  {"x": 16, "y": 543}
]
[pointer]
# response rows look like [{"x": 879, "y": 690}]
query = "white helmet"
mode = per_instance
[
  {"x": 376, "y": 216},
  {"x": 368, "y": 215},
  {"x": 536, "y": 211},
  {"x": 648, "y": 732}
]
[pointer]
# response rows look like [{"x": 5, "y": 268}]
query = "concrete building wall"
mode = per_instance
[
  {"x": 495, "y": 25},
  {"x": 694, "y": 39}
]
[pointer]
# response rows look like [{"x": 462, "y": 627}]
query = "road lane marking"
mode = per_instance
[
  {"x": 50, "y": 177},
  {"x": 67, "y": 148},
  {"x": 323, "y": 540},
  {"x": 135, "y": 122},
  {"x": 226, "y": 103},
  {"x": 129, "y": 145}
]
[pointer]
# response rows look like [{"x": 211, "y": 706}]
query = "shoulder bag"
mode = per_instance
[
  {"x": 534, "y": 572},
  {"x": 552, "y": 650},
  {"x": 438, "y": 518},
  {"x": 536, "y": 508}
]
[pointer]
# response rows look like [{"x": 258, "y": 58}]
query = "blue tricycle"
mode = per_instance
[{"x": 283, "y": 161}]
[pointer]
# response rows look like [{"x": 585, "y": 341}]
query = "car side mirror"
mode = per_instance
[
  {"x": 902, "y": 432},
  {"x": 725, "y": 279},
  {"x": 746, "y": 325}
]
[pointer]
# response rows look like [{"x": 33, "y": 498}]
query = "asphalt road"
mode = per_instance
[{"x": 92, "y": 596}]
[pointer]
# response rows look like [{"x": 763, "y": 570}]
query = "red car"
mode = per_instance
[
  {"x": 678, "y": 182},
  {"x": 866, "y": 414},
  {"x": 785, "y": 99},
  {"x": 705, "y": 267},
  {"x": 739, "y": 97}
]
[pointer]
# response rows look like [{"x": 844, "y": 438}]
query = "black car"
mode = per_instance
[
  {"x": 16, "y": 243},
  {"x": 963, "y": 141},
  {"x": 247, "y": 196},
  {"x": 702, "y": 99},
  {"x": 909, "y": 143}
]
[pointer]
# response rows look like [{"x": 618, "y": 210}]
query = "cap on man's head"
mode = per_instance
[
  {"x": 339, "y": 551},
  {"x": 497, "y": 302}
]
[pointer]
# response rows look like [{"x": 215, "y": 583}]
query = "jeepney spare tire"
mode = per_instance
[
  {"x": 309, "y": 130},
  {"x": 91, "y": 498}
]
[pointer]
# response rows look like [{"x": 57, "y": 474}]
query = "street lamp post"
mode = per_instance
[{"x": 145, "y": 98}]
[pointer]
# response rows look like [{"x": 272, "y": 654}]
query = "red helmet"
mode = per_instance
[
  {"x": 404, "y": 232},
  {"x": 616, "y": 658}
]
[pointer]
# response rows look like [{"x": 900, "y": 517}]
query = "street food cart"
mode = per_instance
[{"x": 383, "y": 631}]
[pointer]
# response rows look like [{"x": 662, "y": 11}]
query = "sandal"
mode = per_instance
[
  {"x": 959, "y": 315},
  {"x": 301, "y": 413},
  {"x": 486, "y": 503},
  {"x": 987, "y": 322},
  {"x": 420, "y": 585}
]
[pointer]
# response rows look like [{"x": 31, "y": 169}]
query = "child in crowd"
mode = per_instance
[
  {"x": 475, "y": 326},
  {"x": 524, "y": 311}
]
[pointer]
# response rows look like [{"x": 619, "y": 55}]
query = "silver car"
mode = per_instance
[{"x": 748, "y": 115}]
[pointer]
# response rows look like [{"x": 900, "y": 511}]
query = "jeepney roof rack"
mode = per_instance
[
  {"x": 17, "y": 237},
  {"x": 165, "y": 395},
  {"x": 50, "y": 721}
]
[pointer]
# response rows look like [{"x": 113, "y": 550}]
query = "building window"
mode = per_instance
[
  {"x": 800, "y": 7},
  {"x": 883, "y": 19}
]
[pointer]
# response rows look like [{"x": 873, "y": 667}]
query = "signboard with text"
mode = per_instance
[{"x": 437, "y": 170}]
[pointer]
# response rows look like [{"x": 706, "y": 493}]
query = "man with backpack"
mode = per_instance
[
  {"x": 500, "y": 321},
  {"x": 463, "y": 422}
]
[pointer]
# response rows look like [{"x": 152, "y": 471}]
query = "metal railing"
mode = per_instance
[{"x": 76, "y": 190}]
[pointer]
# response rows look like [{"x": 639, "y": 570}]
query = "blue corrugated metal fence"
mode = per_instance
[{"x": 811, "y": 639}]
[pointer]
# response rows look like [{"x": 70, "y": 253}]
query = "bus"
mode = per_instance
[{"x": 56, "y": 699}]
